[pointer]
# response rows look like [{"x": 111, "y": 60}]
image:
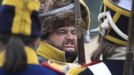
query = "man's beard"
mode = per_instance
[{"x": 70, "y": 56}]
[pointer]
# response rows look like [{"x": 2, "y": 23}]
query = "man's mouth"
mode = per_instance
[{"x": 69, "y": 46}]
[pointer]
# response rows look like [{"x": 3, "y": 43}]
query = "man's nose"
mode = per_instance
[{"x": 69, "y": 36}]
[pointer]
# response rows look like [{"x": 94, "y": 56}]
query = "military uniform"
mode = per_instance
[{"x": 33, "y": 67}]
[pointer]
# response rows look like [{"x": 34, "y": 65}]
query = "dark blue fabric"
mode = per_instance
[
  {"x": 2, "y": 72},
  {"x": 115, "y": 67},
  {"x": 7, "y": 14},
  {"x": 36, "y": 26},
  {"x": 86, "y": 72},
  {"x": 33, "y": 70}
]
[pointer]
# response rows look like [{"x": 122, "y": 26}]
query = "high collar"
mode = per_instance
[
  {"x": 31, "y": 56},
  {"x": 48, "y": 51}
]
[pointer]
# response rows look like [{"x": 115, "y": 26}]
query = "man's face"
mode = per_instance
[{"x": 64, "y": 38}]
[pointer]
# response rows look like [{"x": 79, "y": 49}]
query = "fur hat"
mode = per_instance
[
  {"x": 55, "y": 14},
  {"x": 20, "y": 17}
]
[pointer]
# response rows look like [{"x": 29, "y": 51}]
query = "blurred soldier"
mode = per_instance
[
  {"x": 109, "y": 57},
  {"x": 59, "y": 37},
  {"x": 19, "y": 37}
]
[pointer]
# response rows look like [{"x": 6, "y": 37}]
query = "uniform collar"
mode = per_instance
[
  {"x": 31, "y": 56},
  {"x": 49, "y": 52}
]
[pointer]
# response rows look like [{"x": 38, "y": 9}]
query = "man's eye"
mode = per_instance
[
  {"x": 74, "y": 32},
  {"x": 60, "y": 32}
]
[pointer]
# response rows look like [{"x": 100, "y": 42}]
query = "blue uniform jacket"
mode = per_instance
[
  {"x": 33, "y": 67},
  {"x": 32, "y": 70}
]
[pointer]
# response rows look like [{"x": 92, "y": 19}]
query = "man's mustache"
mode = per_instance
[{"x": 69, "y": 41}]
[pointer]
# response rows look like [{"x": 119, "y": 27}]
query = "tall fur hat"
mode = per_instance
[
  {"x": 59, "y": 13},
  {"x": 20, "y": 17}
]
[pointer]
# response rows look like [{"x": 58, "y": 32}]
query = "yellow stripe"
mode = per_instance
[
  {"x": 27, "y": 23},
  {"x": 17, "y": 22},
  {"x": 88, "y": 14},
  {"x": 117, "y": 9},
  {"x": 12, "y": 2},
  {"x": 115, "y": 40},
  {"x": 76, "y": 70},
  {"x": 31, "y": 56},
  {"x": 30, "y": 53},
  {"x": 2, "y": 58},
  {"x": 116, "y": 17},
  {"x": 22, "y": 22},
  {"x": 22, "y": 19},
  {"x": 104, "y": 8}
]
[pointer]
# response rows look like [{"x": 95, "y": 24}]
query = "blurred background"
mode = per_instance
[{"x": 94, "y": 7}]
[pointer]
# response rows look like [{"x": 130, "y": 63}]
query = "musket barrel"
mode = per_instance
[
  {"x": 80, "y": 40},
  {"x": 128, "y": 65}
]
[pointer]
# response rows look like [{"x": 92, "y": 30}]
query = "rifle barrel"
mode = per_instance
[
  {"x": 80, "y": 40},
  {"x": 128, "y": 65}
]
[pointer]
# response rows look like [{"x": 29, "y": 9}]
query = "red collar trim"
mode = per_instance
[
  {"x": 45, "y": 64},
  {"x": 89, "y": 64}
]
